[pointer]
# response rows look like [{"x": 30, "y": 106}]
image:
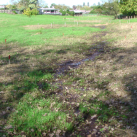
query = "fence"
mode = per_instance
[{"x": 10, "y": 11}]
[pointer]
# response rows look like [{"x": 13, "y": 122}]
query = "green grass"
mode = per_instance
[
  {"x": 99, "y": 108},
  {"x": 36, "y": 76},
  {"x": 38, "y": 114},
  {"x": 18, "y": 34}
]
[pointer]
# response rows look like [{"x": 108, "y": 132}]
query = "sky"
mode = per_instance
[
  {"x": 67, "y": 2},
  {"x": 72, "y": 2}
]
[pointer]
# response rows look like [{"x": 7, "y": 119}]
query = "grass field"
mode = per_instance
[{"x": 68, "y": 76}]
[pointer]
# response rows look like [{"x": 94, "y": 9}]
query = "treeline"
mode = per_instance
[
  {"x": 111, "y": 7},
  {"x": 115, "y": 7},
  {"x": 27, "y": 7},
  {"x": 128, "y": 7}
]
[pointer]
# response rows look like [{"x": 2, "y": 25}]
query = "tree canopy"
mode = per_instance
[{"x": 129, "y": 7}]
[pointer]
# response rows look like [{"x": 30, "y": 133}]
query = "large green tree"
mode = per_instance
[
  {"x": 28, "y": 3},
  {"x": 42, "y": 4},
  {"x": 128, "y": 7},
  {"x": 63, "y": 7},
  {"x": 112, "y": 7},
  {"x": 52, "y": 5},
  {"x": 33, "y": 4}
]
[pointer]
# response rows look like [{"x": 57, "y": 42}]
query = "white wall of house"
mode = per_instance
[
  {"x": 2, "y": 6},
  {"x": 48, "y": 11}
]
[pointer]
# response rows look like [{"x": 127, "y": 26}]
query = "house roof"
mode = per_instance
[
  {"x": 2, "y": 5},
  {"x": 48, "y": 9},
  {"x": 80, "y": 11}
]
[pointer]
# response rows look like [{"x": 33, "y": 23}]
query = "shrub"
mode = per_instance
[
  {"x": 34, "y": 12},
  {"x": 63, "y": 12},
  {"x": 27, "y": 12},
  {"x": 71, "y": 13},
  {"x": 121, "y": 16},
  {"x": 14, "y": 12}
]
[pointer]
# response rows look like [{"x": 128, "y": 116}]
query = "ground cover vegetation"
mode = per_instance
[{"x": 73, "y": 76}]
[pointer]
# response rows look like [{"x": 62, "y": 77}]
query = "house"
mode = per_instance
[
  {"x": 80, "y": 12},
  {"x": 49, "y": 11},
  {"x": 2, "y": 6}
]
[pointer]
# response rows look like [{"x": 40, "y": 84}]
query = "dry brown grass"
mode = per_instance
[
  {"x": 88, "y": 21},
  {"x": 55, "y": 26},
  {"x": 33, "y": 27},
  {"x": 101, "y": 24},
  {"x": 119, "y": 68},
  {"x": 126, "y": 35}
]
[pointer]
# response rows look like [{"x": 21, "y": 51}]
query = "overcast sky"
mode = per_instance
[{"x": 67, "y": 2}]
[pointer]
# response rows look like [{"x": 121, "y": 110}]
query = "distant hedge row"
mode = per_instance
[{"x": 67, "y": 12}]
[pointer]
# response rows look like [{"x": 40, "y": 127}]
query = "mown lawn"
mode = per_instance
[{"x": 68, "y": 76}]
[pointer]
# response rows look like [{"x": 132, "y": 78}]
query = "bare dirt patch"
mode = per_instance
[
  {"x": 101, "y": 24},
  {"x": 33, "y": 27},
  {"x": 49, "y": 26}
]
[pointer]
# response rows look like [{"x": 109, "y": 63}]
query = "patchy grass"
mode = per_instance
[
  {"x": 97, "y": 97},
  {"x": 35, "y": 115}
]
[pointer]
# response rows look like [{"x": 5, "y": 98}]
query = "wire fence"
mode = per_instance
[{"x": 10, "y": 11}]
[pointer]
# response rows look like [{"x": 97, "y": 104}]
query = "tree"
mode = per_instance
[
  {"x": 86, "y": 8},
  {"x": 33, "y": 4},
  {"x": 63, "y": 7},
  {"x": 112, "y": 7},
  {"x": 34, "y": 12},
  {"x": 63, "y": 12},
  {"x": 11, "y": 7},
  {"x": 79, "y": 7},
  {"x": 42, "y": 4},
  {"x": 99, "y": 4},
  {"x": 97, "y": 9},
  {"x": 8, "y": 6},
  {"x": 52, "y": 5},
  {"x": 46, "y": 6},
  {"x": 94, "y": 4},
  {"x": 58, "y": 7},
  {"x": 128, "y": 7},
  {"x": 115, "y": 7},
  {"x": 24, "y": 3},
  {"x": 27, "y": 3},
  {"x": 88, "y": 4},
  {"x": 13, "y": 4},
  {"x": 74, "y": 7},
  {"x": 30, "y": 12},
  {"x": 71, "y": 13},
  {"x": 20, "y": 7}
]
